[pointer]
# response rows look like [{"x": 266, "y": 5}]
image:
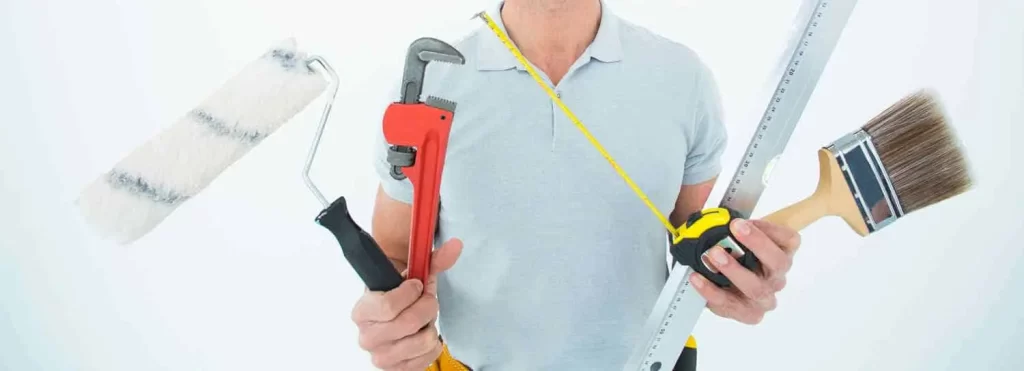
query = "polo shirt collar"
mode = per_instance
[{"x": 493, "y": 55}]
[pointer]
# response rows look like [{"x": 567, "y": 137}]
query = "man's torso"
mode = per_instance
[{"x": 561, "y": 261}]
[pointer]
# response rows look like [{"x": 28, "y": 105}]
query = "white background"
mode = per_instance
[{"x": 240, "y": 278}]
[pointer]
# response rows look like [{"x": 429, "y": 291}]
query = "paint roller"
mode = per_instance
[{"x": 141, "y": 190}]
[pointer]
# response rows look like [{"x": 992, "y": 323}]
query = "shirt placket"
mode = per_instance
[{"x": 559, "y": 121}]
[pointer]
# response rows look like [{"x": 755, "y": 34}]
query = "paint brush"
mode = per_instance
[{"x": 905, "y": 159}]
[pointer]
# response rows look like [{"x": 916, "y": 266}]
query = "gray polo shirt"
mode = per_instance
[{"x": 561, "y": 261}]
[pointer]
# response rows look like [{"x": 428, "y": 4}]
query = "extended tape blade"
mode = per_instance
[{"x": 677, "y": 310}]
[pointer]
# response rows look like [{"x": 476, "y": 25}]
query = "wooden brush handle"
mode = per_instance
[
  {"x": 832, "y": 197},
  {"x": 801, "y": 214}
]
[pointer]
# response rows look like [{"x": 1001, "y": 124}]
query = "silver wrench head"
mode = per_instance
[
  {"x": 422, "y": 51},
  {"x": 429, "y": 49}
]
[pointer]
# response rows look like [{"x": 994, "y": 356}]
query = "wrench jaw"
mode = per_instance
[
  {"x": 422, "y": 51},
  {"x": 441, "y": 103},
  {"x": 417, "y": 132}
]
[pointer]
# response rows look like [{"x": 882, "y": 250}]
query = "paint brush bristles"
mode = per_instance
[{"x": 920, "y": 150}]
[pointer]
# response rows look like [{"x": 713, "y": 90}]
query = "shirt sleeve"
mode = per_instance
[
  {"x": 400, "y": 190},
  {"x": 708, "y": 142}
]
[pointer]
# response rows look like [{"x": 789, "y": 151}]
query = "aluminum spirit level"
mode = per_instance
[{"x": 679, "y": 306}]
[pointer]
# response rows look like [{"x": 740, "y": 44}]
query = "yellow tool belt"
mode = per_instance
[{"x": 446, "y": 362}]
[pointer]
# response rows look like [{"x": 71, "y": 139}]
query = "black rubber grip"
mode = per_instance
[
  {"x": 688, "y": 252},
  {"x": 359, "y": 248},
  {"x": 687, "y": 360}
]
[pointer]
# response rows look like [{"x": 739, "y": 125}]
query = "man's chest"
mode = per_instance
[{"x": 513, "y": 151}]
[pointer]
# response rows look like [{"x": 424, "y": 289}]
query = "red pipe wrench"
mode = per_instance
[{"x": 418, "y": 134}]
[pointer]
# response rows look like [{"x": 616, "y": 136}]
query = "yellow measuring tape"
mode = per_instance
[{"x": 551, "y": 93}]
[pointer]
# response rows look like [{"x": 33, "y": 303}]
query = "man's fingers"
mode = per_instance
[
  {"x": 421, "y": 362},
  {"x": 407, "y": 349},
  {"x": 786, "y": 238},
  {"x": 384, "y": 306},
  {"x": 744, "y": 314},
  {"x": 753, "y": 294},
  {"x": 410, "y": 321},
  {"x": 716, "y": 296},
  {"x": 774, "y": 260},
  {"x": 724, "y": 303},
  {"x": 753, "y": 286},
  {"x": 441, "y": 260},
  {"x": 444, "y": 257}
]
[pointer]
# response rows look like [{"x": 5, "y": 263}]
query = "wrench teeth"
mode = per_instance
[
  {"x": 433, "y": 56},
  {"x": 441, "y": 103}
]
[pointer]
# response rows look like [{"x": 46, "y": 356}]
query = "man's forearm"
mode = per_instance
[
  {"x": 400, "y": 264},
  {"x": 692, "y": 198},
  {"x": 391, "y": 222},
  {"x": 394, "y": 246}
]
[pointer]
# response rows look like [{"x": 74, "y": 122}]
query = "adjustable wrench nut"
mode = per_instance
[{"x": 399, "y": 157}]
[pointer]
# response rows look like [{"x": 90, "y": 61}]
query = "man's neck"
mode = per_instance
[{"x": 552, "y": 34}]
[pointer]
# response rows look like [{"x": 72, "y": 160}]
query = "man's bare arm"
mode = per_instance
[
  {"x": 692, "y": 198},
  {"x": 391, "y": 221}
]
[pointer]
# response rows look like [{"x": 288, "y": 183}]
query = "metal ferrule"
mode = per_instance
[{"x": 868, "y": 180}]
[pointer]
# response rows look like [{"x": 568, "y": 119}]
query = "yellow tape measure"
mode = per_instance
[{"x": 551, "y": 93}]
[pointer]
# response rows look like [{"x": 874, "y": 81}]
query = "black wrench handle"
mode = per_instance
[{"x": 359, "y": 248}]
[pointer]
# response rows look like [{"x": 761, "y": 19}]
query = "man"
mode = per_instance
[{"x": 558, "y": 262}]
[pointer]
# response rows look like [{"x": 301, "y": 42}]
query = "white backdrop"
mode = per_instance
[{"x": 241, "y": 277}]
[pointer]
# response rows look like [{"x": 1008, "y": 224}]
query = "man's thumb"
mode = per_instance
[{"x": 444, "y": 257}]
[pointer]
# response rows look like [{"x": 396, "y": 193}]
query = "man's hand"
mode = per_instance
[
  {"x": 397, "y": 327},
  {"x": 752, "y": 294}
]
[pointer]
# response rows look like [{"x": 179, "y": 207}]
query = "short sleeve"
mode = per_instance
[
  {"x": 400, "y": 190},
  {"x": 703, "y": 160}
]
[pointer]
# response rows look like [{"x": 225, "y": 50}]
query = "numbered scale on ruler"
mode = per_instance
[
  {"x": 807, "y": 59},
  {"x": 677, "y": 309}
]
